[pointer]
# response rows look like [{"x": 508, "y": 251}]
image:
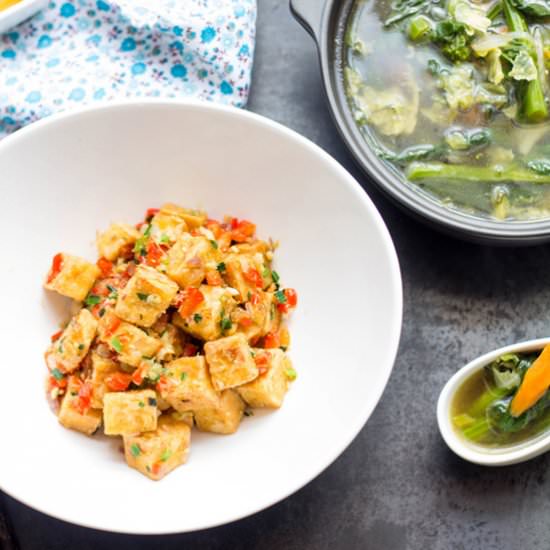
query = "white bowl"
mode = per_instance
[
  {"x": 65, "y": 177},
  {"x": 504, "y": 456},
  {"x": 17, "y": 13}
]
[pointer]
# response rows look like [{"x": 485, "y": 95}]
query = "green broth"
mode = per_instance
[
  {"x": 404, "y": 112},
  {"x": 471, "y": 418}
]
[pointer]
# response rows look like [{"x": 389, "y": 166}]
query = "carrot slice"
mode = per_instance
[{"x": 534, "y": 385}]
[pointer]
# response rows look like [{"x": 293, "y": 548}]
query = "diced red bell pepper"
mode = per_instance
[{"x": 57, "y": 264}]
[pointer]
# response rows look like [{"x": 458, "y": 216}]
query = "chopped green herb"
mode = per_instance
[
  {"x": 102, "y": 312},
  {"x": 275, "y": 277},
  {"x": 139, "y": 247},
  {"x": 167, "y": 453},
  {"x": 141, "y": 404},
  {"x": 265, "y": 272},
  {"x": 135, "y": 450},
  {"x": 221, "y": 267},
  {"x": 249, "y": 295},
  {"x": 148, "y": 468},
  {"x": 214, "y": 244},
  {"x": 152, "y": 401},
  {"x": 281, "y": 298},
  {"x": 111, "y": 288},
  {"x": 183, "y": 376},
  {"x": 57, "y": 374},
  {"x": 143, "y": 297},
  {"x": 80, "y": 347},
  {"x": 113, "y": 295},
  {"x": 165, "y": 239},
  {"x": 92, "y": 300},
  {"x": 197, "y": 317},
  {"x": 147, "y": 231},
  {"x": 117, "y": 346},
  {"x": 284, "y": 348},
  {"x": 74, "y": 393},
  {"x": 226, "y": 323},
  {"x": 291, "y": 373}
]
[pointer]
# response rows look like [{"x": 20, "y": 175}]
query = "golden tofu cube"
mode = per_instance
[
  {"x": 69, "y": 414},
  {"x": 130, "y": 342},
  {"x": 186, "y": 416},
  {"x": 269, "y": 389},
  {"x": 71, "y": 276},
  {"x": 101, "y": 368},
  {"x": 172, "y": 343},
  {"x": 225, "y": 417},
  {"x": 129, "y": 412},
  {"x": 186, "y": 385},
  {"x": 193, "y": 218},
  {"x": 157, "y": 453},
  {"x": 146, "y": 296},
  {"x": 244, "y": 271},
  {"x": 69, "y": 350},
  {"x": 253, "y": 247},
  {"x": 118, "y": 236},
  {"x": 230, "y": 361},
  {"x": 168, "y": 223},
  {"x": 212, "y": 318},
  {"x": 262, "y": 314},
  {"x": 189, "y": 259}
]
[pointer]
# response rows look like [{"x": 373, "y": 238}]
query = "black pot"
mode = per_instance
[{"x": 326, "y": 21}]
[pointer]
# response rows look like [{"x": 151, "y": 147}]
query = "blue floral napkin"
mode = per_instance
[{"x": 89, "y": 51}]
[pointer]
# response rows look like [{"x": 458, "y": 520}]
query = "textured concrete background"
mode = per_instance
[{"x": 397, "y": 487}]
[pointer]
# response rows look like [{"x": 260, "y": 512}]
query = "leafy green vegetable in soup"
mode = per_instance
[
  {"x": 482, "y": 408},
  {"x": 455, "y": 94}
]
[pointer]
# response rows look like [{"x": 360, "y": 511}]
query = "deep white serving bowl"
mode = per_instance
[
  {"x": 66, "y": 177},
  {"x": 17, "y": 13}
]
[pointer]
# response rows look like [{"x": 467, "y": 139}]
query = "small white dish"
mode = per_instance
[
  {"x": 477, "y": 454},
  {"x": 12, "y": 16},
  {"x": 66, "y": 177}
]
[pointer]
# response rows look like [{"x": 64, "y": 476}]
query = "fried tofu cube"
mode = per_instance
[
  {"x": 146, "y": 296},
  {"x": 230, "y": 361},
  {"x": 129, "y": 412},
  {"x": 101, "y": 368},
  {"x": 172, "y": 343},
  {"x": 262, "y": 315},
  {"x": 189, "y": 259},
  {"x": 247, "y": 273},
  {"x": 71, "y": 276},
  {"x": 269, "y": 389},
  {"x": 130, "y": 342},
  {"x": 212, "y": 318},
  {"x": 69, "y": 350},
  {"x": 69, "y": 414},
  {"x": 168, "y": 223},
  {"x": 225, "y": 417},
  {"x": 157, "y": 453},
  {"x": 112, "y": 241},
  {"x": 186, "y": 385},
  {"x": 193, "y": 218},
  {"x": 253, "y": 247}
]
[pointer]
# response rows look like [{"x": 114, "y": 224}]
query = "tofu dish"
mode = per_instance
[{"x": 181, "y": 325}]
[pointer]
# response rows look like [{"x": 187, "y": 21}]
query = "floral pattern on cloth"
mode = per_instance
[{"x": 78, "y": 52}]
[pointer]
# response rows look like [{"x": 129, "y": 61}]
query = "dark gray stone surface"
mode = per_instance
[{"x": 397, "y": 486}]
